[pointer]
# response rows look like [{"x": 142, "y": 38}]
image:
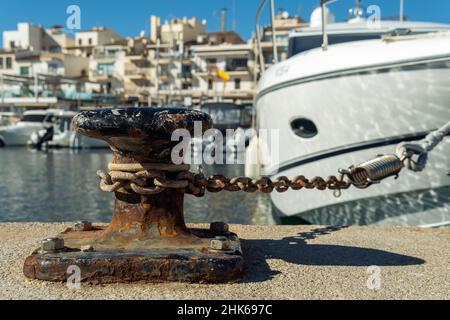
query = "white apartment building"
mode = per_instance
[
  {"x": 30, "y": 64},
  {"x": 104, "y": 61},
  {"x": 157, "y": 70},
  {"x": 236, "y": 60},
  {"x": 26, "y": 37},
  {"x": 176, "y": 30},
  {"x": 35, "y": 38},
  {"x": 123, "y": 66},
  {"x": 86, "y": 41},
  {"x": 60, "y": 40},
  {"x": 7, "y": 61}
]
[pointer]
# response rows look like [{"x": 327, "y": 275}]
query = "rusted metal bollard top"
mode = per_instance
[
  {"x": 147, "y": 238},
  {"x": 142, "y": 134}
]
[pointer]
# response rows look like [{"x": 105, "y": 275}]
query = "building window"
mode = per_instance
[
  {"x": 55, "y": 49},
  {"x": 268, "y": 58},
  {"x": 8, "y": 63},
  {"x": 52, "y": 68},
  {"x": 237, "y": 65},
  {"x": 24, "y": 71},
  {"x": 105, "y": 69},
  {"x": 12, "y": 44},
  {"x": 210, "y": 84},
  {"x": 90, "y": 41},
  {"x": 211, "y": 63},
  {"x": 1, "y": 62},
  {"x": 186, "y": 71},
  {"x": 237, "y": 84},
  {"x": 80, "y": 42}
]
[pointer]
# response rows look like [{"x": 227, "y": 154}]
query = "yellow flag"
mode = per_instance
[{"x": 223, "y": 75}]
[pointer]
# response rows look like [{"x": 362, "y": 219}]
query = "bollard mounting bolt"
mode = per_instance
[
  {"x": 87, "y": 248},
  {"x": 220, "y": 244},
  {"x": 52, "y": 244},
  {"x": 219, "y": 228},
  {"x": 82, "y": 226}
]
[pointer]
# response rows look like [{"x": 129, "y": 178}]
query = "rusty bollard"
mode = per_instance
[{"x": 147, "y": 239}]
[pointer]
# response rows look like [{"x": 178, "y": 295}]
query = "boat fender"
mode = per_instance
[{"x": 252, "y": 158}]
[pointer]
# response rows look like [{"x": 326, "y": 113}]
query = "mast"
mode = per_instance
[{"x": 402, "y": 11}]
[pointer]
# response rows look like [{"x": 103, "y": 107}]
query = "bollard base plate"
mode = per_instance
[{"x": 195, "y": 263}]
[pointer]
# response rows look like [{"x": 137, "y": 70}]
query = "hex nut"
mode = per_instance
[
  {"x": 52, "y": 244},
  {"x": 220, "y": 243},
  {"x": 82, "y": 226},
  {"x": 219, "y": 227}
]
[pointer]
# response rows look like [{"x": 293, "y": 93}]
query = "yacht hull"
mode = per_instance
[
  {"x": 359, "y": 116},
  {"x": 17, "y": 136}
]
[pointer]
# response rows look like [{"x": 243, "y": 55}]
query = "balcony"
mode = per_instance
[
  {"x": 101, "y": 75},
  {"x": 136, "y": 73},
  {"x": 232, "y": 71},
  {"x": 104, "y": 57},
  {"x": 137, "y": 57}
]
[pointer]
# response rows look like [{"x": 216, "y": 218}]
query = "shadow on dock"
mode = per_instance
[{"x": 296, "y": 250}]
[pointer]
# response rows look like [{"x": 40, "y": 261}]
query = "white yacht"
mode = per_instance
[
  {"x": 18, "y": 134},
  {"x": 369, "y": 90}
]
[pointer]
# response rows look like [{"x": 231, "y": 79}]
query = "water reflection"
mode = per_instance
[
  {"x": 414, "y": 208},
  {"x": 60, "y": 185}
]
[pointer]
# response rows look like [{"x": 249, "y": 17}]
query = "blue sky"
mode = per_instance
[{"x": 129, "y": 17}]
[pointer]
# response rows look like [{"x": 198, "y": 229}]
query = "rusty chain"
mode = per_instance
[
  {"x": 152, "y": 182},
  {"x": 152, "y": 179}
]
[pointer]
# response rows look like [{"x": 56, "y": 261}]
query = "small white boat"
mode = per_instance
[
  {"x": 19, "y": 133},
  {"x": 345, "y": 105},
  {"x": 59, "y": 134}
]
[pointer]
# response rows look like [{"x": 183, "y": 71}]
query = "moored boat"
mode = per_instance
[{"x": 368, "y": 91}]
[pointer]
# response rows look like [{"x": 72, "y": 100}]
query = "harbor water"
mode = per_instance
[{"x": 61, "y": 185}]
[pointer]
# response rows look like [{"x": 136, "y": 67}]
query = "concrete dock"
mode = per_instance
[{"x": 282, "y": 262}]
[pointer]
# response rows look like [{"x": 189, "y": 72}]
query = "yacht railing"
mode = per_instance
[
  {"x": 261, "y": 65},
  {"x": 258, "y": 36}
]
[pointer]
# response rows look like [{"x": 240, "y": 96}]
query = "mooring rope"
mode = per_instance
[{"x": 422, "y": 148}]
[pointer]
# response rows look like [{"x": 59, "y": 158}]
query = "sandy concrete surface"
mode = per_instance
[{"x": 282, "y": 262}]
